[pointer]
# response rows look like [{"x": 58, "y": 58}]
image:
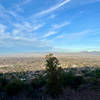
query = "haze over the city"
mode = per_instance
[{"x": 49, "y": 25}]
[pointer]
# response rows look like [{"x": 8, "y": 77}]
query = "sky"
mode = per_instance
[{"x": 49, "y": 26}]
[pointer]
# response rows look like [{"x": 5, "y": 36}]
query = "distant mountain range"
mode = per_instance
[
  {"x": 92, "y": 52},
  {"x": 66, "y": 54}
]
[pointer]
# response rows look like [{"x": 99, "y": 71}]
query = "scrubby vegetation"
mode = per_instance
[
  {"x": 54, "y": 75},
  {"x": 49, "y": 83}
]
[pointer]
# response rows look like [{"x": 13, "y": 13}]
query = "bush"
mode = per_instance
[
  {"x": 3, "y": 83},
  {"x": 97, "y": 72},
  {"x": 89, "y": 73},
  {"x": 36, "y": 88},
  {"x": 71, "y": 80},
  {"x": 38, "y": 82},
  {"x": 14, "y": 86},
  {"x": 92, "y": 73}
]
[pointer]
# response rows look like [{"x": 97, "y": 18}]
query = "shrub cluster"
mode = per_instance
[
  {"x": 14, "y": 86},
  {"x": 71, "y": 80}
]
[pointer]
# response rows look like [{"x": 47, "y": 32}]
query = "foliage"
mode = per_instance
[
  {"x": 54, "y": 75},
  {"x": 92, "y": 73},
  {"x": 38, "y": 82},
  {"x": 71, "y": 80},
  {"x": 14, "y": 86},
  {"x": 3, "y": 83},
  {"x": 97, "y": 72}
]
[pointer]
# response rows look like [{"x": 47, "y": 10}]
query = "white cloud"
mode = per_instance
[
  {"x": 79, "y": 34},
  {"x": 15, "y": 15},
  {"x": 52, "y": 8},
  {"x": 8, "y": 14},
  {"x": 18, "y": 6},
  {"x": 52, "y": 16},
  {"x": 4, "y": 14},
  {"x": 24, "y": 2},
  {"x": 38, "y": 26},
  {"x": 57, "y": 26},
  {"x": 23, "y": 39},
  {"x": 76, "y": 35},
  {"x": 31, "y": 44},
  {"x": 29, "y": 26},
  {"x": 26, "y": 28},
  {"x": 49, "y": 34},
  {"x": 2, "y": 28},
  {"x": 59, "y": 37}
]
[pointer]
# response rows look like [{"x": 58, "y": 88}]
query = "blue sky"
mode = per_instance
[{"x": 49, "y": 25}]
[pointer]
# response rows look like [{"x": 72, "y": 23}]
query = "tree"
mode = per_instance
[{"x": 54, "y": 75}]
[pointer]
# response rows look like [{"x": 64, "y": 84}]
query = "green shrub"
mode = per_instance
[
  {"x": 14, "y": 86},
  {"x": 92, "y": 73},
  {"x": 71, "y": 80},
  {"x": 3, "y": 83},
  {"x": 36, "y": 88},
  {"x": 87, "y": 72},
  {"x": 91, "y": 80},
  {"x": 38, "y": 82},
  {"x": 97, "y": 72}
]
